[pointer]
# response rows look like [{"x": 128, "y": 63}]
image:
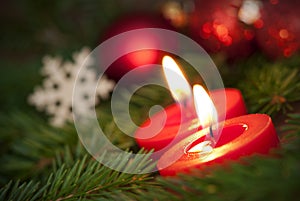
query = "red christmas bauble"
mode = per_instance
[
  {"x": 278, "y": 29},
  {"x": 216, "y": 27},
  {"x": 137, "y": 58}
]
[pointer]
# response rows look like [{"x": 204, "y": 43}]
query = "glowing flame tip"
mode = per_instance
[{"x": 178, "y": 85}]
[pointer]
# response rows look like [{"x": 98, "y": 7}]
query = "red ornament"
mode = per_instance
[
  {"x": 278, "y": 29},
  {"x": 216, "y": 26},
  {"x": 138, "y": 58}
]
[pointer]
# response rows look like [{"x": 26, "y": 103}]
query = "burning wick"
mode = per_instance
[
  {"x": 211, "y": 131},
  {"x": 183, "y": 94},
  {"x": 206, "y": 112}
]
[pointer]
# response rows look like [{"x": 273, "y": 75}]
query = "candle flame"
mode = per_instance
[
  {"x": 178, "y": 85},
  {"x": 182, "y": 93},
  {"x": 205, "y": 110}
]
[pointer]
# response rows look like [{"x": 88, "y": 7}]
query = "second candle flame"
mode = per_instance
[
  {"x": 205, "y": 108},
  {"x": 207, "y": 115}
]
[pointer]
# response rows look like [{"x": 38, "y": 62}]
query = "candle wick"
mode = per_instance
[
  {"x": 211, "y": 131},
  {"x": 212, "y": 137}
]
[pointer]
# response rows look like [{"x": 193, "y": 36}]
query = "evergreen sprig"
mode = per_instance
[
  {"x": 292, "y": 123},
  {"x": 29, "y": 144},
  {"x": 83, "y": 178},
  {"x": 291, "y": 131},
  {"x": 271, "y": 88}
]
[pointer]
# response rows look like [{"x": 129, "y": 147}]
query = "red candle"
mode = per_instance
[
  {"x": 146, "y": 137},
  {"x": 179, "y": 120},
  {"x": 241, "y": 136}
]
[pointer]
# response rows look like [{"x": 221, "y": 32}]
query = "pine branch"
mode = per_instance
[
  {"x": 292, "y": 133},
  {"x": 292, "y": 124},
  {"x": 271, "y": 89},
  {"x": 83, "y": 179},
  {"x": 29, "y": 144},
  {"x": 20, "y": 191}
]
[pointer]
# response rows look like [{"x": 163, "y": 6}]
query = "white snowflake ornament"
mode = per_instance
[{"x": 55, "y": 95}]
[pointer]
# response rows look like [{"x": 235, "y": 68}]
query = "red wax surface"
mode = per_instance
[
  {"x": 241, "y": 136},
  {"x": 145, "y": 137}
]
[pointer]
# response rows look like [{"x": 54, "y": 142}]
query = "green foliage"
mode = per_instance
[
  {"x": 293, "y": 123},
  {"x": 292, "y": 132},
  {"x": 85, "y": 179},
  {"x": 29, "y": 142},
  {"x": 271, "y": 88}
]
